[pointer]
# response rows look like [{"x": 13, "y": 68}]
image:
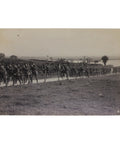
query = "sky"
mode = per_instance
[{"x": 60, "y": 42}]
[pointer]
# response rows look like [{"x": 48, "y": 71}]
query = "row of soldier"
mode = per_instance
[
  {"x": 18, "y": 72},
  {"x": 25, "y": 72}
]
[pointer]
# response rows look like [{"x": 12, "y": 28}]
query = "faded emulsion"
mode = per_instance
[{"x": 59, "y": 71}]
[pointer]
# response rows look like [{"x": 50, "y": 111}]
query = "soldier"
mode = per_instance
[
  {"x": 3, "y": 74},
  {"x": 34, "y": 71}
]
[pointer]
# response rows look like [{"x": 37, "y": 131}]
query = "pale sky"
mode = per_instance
[{"x": 60, "y": 42}]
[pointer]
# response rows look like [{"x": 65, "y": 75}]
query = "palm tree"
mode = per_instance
[{"x": 104, "y": 59}]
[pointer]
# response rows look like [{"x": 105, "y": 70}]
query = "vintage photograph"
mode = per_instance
[{"x": 59, "y": 71}]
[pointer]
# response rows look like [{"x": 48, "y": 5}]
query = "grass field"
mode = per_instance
[{"x": 89, "y": 96}]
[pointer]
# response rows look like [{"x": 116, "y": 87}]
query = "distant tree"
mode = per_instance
[
  {"x": 13, "y": 57},
  {"x": 104, "y": 59},
  {"x": 2, "y": 56}
]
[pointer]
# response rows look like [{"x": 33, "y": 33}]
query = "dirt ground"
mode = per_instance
[{"x": 85, "y": 96}]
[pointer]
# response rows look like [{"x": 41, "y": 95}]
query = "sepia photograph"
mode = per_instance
[{"x": 61, "y": 71}]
